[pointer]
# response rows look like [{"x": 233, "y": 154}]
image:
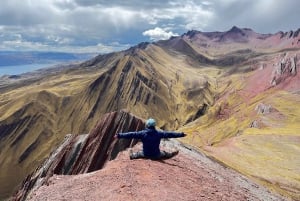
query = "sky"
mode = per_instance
[{"x": 102, "y": 26}]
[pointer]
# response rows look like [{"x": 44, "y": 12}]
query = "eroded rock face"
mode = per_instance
[
  {"x": 84, "y": 153},
  {"x": 263, "y": 109},
  {"x": 285, "y": 68}
]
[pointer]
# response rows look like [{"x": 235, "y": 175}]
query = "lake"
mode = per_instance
[{"x": 19, "y": 69}]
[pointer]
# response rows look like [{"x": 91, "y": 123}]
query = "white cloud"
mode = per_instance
[
  {"x": 22, "y": 45},
  {"x": 29, "y": 46},
  {"x": 159, "y": 34},
  {"x": 187, "y": 14},
  {"x": 195, "y": 16},
  {"x": 120, "y": 17}
]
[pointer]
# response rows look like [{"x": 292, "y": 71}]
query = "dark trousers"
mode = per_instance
[{"x": 163, "y": 155}]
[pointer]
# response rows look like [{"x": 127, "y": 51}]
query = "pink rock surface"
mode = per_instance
[{"x": 187, "y": 176}]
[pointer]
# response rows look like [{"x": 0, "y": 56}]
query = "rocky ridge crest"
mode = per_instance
[{"x": 188, "y": 176}]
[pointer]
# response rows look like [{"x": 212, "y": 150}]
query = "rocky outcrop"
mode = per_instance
[
  {"x": 254, "y": 124},
  {"x": 188, "y": 176},
  {"x": 263, "y": 109},
  {"x": 290, "y": 34},
  {"x": 84, "y": 153},
  {"x": 285, "y": 68}
]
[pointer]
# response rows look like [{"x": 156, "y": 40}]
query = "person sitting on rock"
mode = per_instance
[{"x": 150, "y": 138}]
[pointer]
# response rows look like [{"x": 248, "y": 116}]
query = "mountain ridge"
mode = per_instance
[
  {"x": 180, "y": 89},
  {"x": 77, "y": 155}
]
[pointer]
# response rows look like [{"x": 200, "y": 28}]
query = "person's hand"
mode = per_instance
[{"x": 183, "y": 134}]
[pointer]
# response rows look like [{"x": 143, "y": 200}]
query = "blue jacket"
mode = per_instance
[{"x": 151, "y": 139}]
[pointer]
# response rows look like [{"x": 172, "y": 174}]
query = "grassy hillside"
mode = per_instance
[{"x": 264, "y": 145}]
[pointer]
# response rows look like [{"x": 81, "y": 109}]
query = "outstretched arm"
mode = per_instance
[
  {"x": 169, "y": 134},
  {"x": 129, "y": 135}
]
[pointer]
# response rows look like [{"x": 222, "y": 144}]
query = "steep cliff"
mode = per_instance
[{"x": 84, "y": 153}]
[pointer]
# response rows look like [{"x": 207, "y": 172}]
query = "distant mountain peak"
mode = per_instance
[
  {"x": 191, "y": 33},
  {"x": 141, "y": 46},
  {"x": 236, "y": 29}
]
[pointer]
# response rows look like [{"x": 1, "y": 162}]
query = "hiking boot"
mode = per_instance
[
  {"x": 166, "y": 155},
  {"x": 136, "y": 155}
]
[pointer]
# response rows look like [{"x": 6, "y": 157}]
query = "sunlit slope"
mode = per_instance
[
  {"x": 33, "y": 122},
  {"x": 254, "y": 128},
  {"x": 31, "y": 125},
  {"x": 147, "y": 81}
]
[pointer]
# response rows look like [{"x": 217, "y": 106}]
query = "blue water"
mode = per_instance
[{"x": 19, "y": 69}]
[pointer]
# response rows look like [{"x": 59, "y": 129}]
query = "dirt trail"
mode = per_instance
[{"x": 187, "y": 176}]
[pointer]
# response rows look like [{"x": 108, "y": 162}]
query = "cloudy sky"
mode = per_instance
[{"x": 110, "y": 25}]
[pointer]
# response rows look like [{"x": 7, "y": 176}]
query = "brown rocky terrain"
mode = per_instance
[{"x": 188, "y": 176}]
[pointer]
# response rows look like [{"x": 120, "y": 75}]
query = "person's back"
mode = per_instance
[
  {"x": 151, "y": 141},
  {"x": 151, "y": 138}
]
